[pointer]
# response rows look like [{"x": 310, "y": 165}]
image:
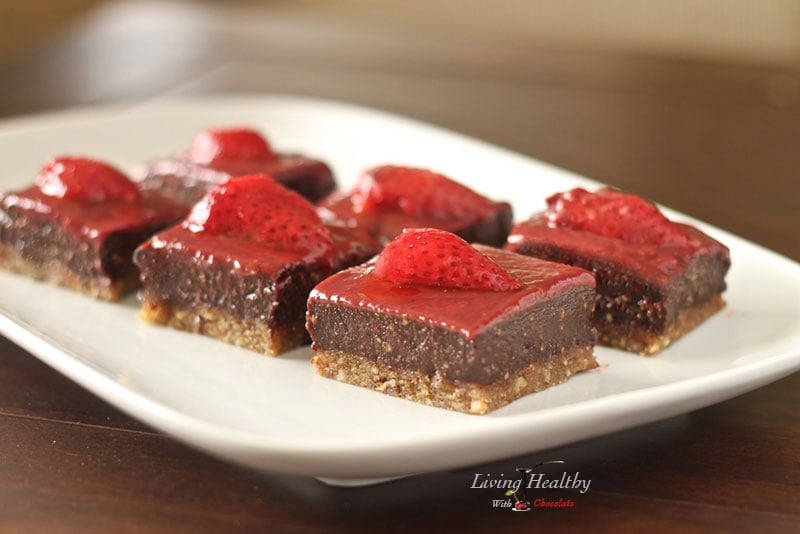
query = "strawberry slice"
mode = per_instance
[
  {"x": 614, "y": 214},
  {"x": 86, "y": 180},
  {"x": 418, "y": 192},
  {"x": 225, "y": 144},
  {"x": 430, "y": 257},
  {"x": 257, "y": 208}
]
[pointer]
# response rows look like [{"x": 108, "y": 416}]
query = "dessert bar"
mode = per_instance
[
  {"x": 79, "y": 225},
  {"x": 656, "y": 279},
  {"x": 241, "y": 265},
  {"x": 435, "y": 320}
]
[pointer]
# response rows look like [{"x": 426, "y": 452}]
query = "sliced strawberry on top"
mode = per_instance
[
  {"x": 418, "y": 192},
  {"x": 226, "y": 144},
  {"x": 86, "y": 180},
  {"x": 433, "y": 257},
  {"x": 614, "y": 214},
  {"x": 256, "y": 207}
]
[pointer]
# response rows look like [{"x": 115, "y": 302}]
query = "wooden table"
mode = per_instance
[{"x": 718, "y": 142}]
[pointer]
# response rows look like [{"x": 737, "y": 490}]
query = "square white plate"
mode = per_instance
[{"x": 275, "y": 414}]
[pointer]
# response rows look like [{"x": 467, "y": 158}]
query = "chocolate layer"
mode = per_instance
[
  {"x": 183, "y": 281},
  {"x": 625, "y": 297},
  {"x": 534, "y": 334},
  {"x": 42, "y": 242},
  {"x": 244, "y": 279}
]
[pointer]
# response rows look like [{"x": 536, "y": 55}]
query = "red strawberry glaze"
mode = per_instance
[
  {"x": 427, "y": 256},
  {"x": 236, "y": 254},
  {"x": 243, "y": 256},
  {"x": 469, "y": 311},
  {"x": 91, "y": 200}
]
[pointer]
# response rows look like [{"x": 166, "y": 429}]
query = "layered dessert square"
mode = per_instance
[
  {"x": 437, "y": 321},
  {"x": 389, "y": 198},
  {"x": 656, "y": 279},
  {"x": 216, "y": 155},
  {"x": 241, "y": 265},
  {"x": 79, "y": 225}
]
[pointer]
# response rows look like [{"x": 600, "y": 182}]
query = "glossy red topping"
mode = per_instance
[
  {"x": 614, "y": 214},
  {"x": 221, "y": 145},
  {"x": 259, "y": 209},
  {"x": 418, "y": 192},
  {"x": 432, "y": 257},
  {"x": 85, "y": 180}
]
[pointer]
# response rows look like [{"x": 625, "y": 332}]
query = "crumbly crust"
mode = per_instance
[
  {"x": 55, "y": 272},
  {"x": 438, "y": 391},
  {"x": 634, "y": 338},
  {"x": 253, "y": 335}
]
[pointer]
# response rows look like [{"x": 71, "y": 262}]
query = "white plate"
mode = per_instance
[{"x": 274, "y": 413}]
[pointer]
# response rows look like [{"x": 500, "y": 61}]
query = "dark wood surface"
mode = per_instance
[{"x": 718, "y": 142}]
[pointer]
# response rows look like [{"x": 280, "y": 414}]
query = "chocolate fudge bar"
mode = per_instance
[
  {"x": 656, "y": 279},
  {"x": 466, "y": 349},
  {"x": 79, "y": 225},
  {"x": 240, "y": 267}
]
